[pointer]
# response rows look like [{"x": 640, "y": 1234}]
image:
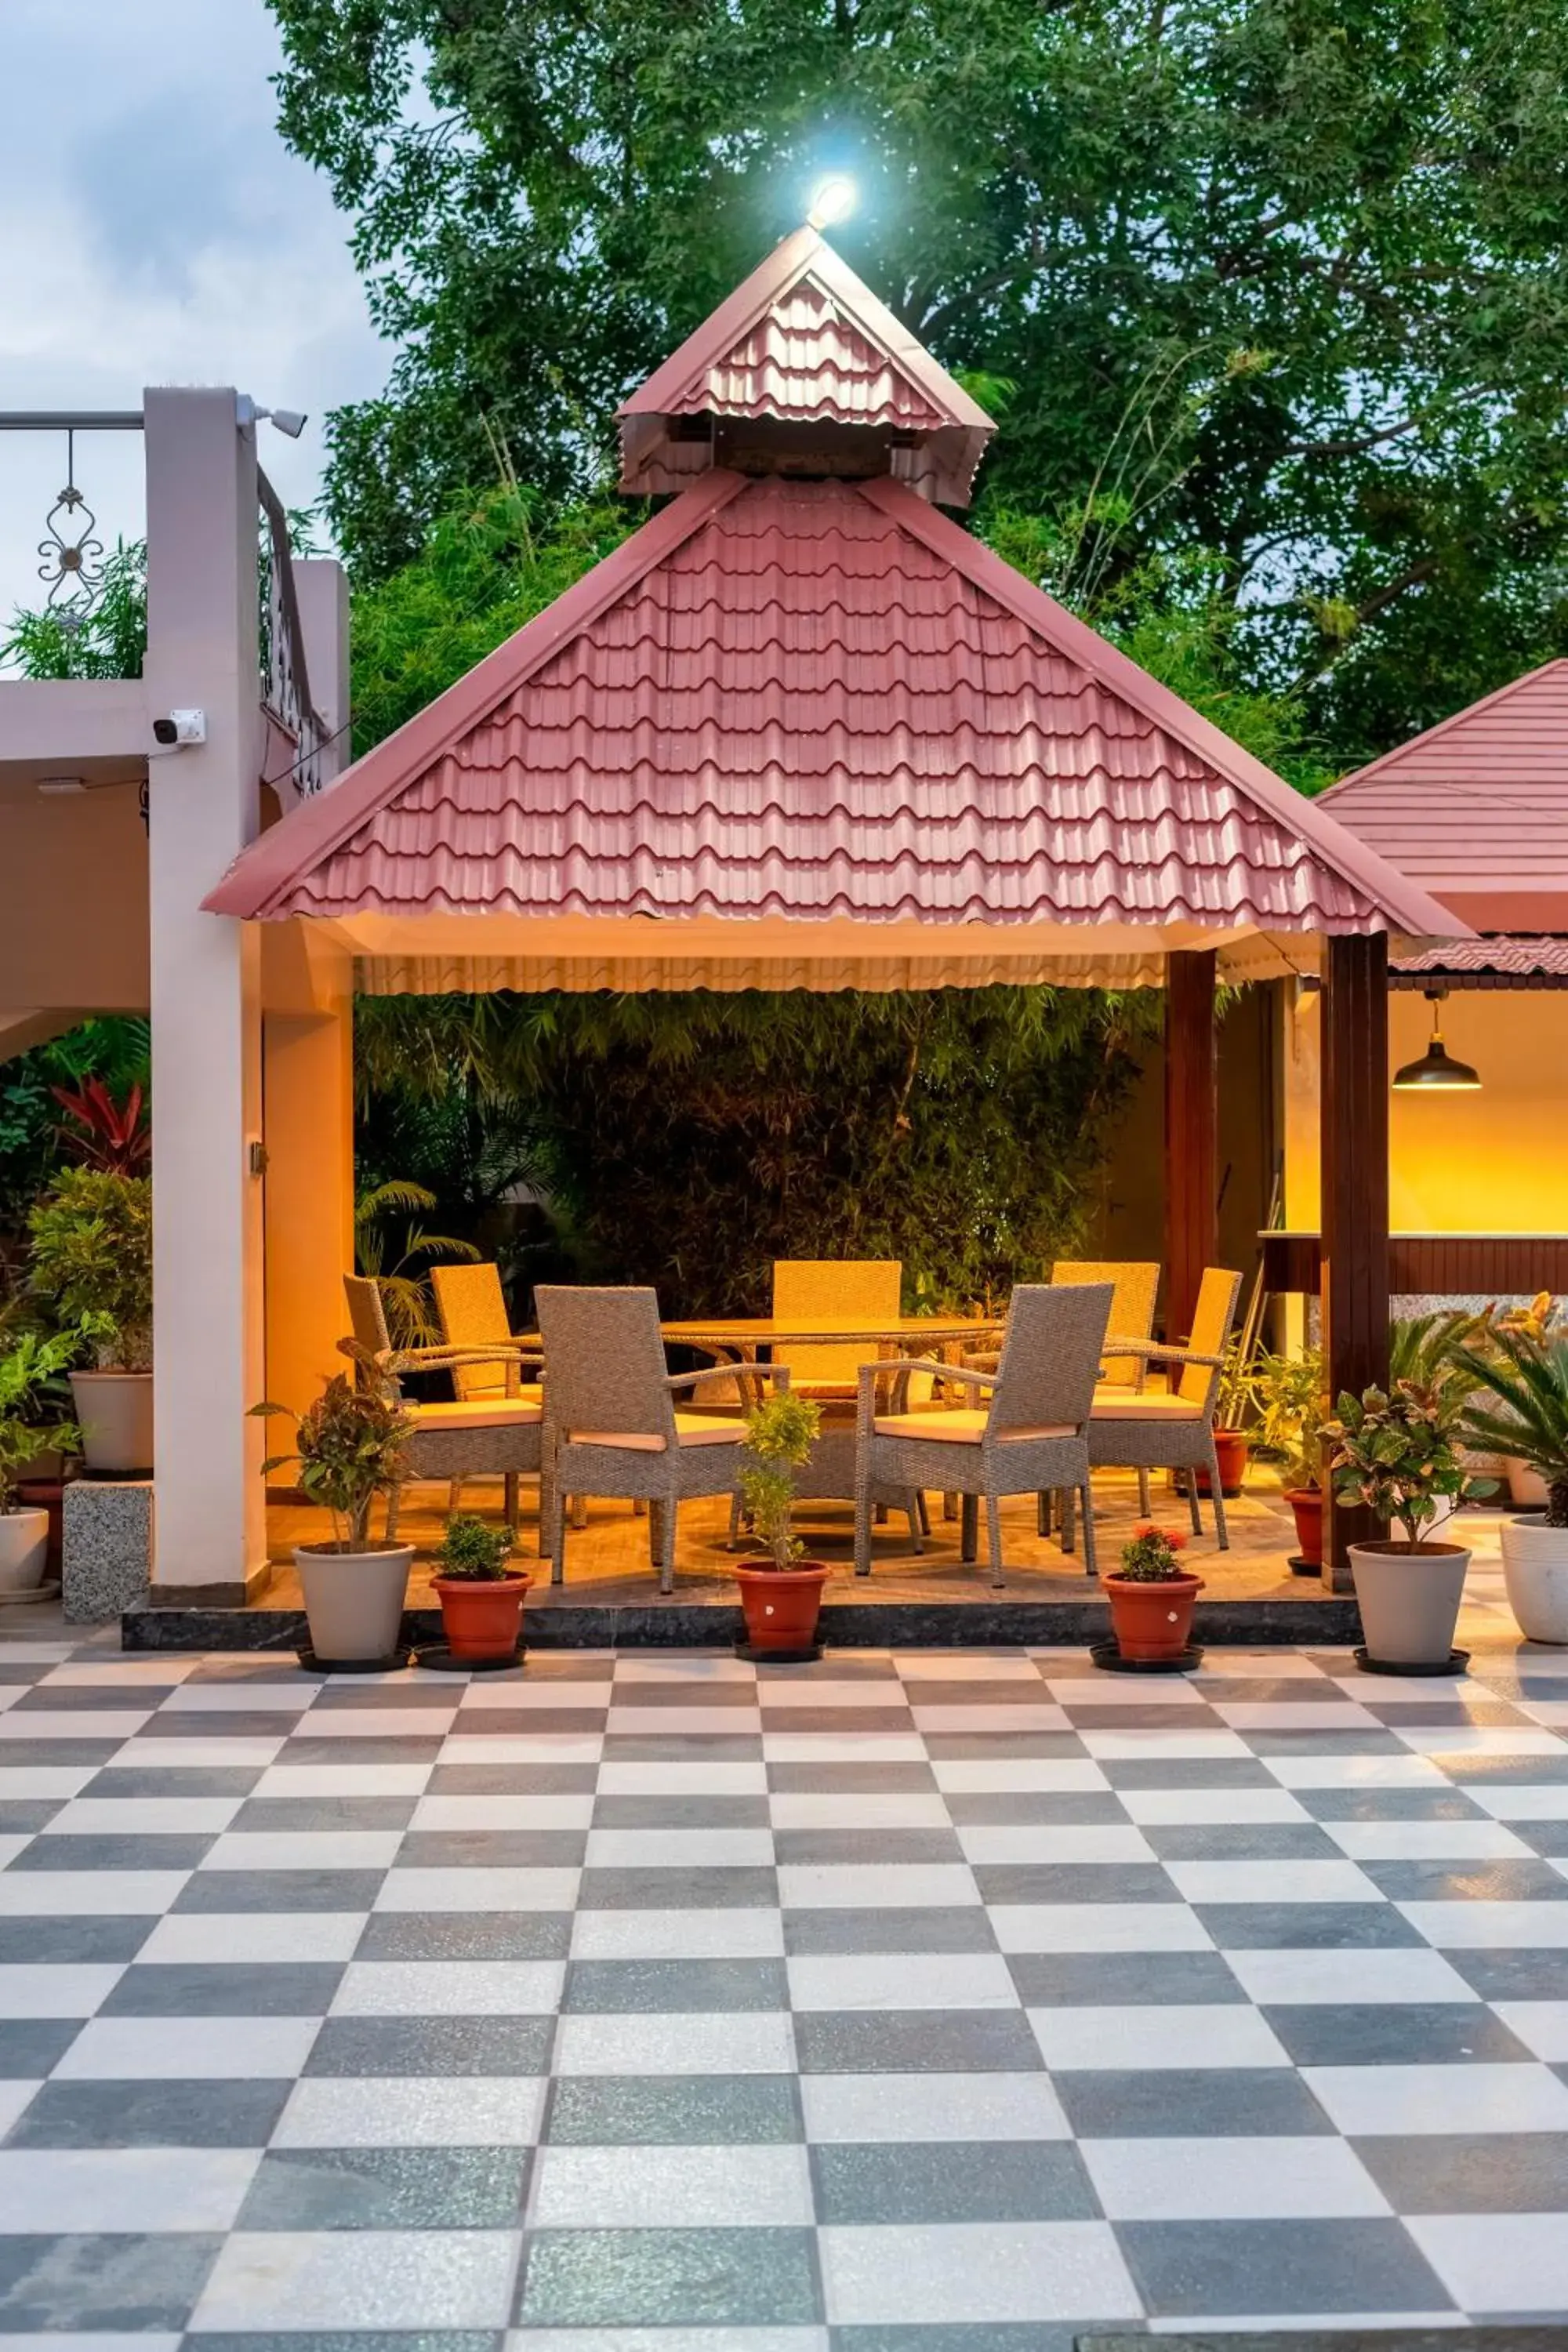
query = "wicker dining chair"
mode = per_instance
[
  {"x": 1171, "y": 1429},
  {"x": 490, "y": 1435},
  {"x": 1135, "y": 1283},
  {"x": 1026, "y": 1432},
  {"x": 822, "y": 1291},
  {"x": 612, "y": 1425}
]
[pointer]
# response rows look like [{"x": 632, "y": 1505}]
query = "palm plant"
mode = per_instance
[
  {"x": 404, "y": 1292},
  {"x": 1518, "y": 1405}
]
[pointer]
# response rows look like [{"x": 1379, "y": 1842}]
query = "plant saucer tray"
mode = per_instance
[
  {"x": 1455, "y": 1662},
  {"x": 436, "y": 1658},
  {"x": 1109, "y": 1658},
  {"x": 778, "y": 1657},
  {"x": 311, "y": 1664}
]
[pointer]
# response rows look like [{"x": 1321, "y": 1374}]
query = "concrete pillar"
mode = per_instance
[
  {"x": 308, "y": 1093},
  {"x": 202, "y": 654}
]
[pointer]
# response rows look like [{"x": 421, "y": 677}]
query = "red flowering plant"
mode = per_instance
[{"x": 1151, "y": 1556}]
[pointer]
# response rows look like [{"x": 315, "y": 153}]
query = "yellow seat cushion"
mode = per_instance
[
  {"x": 480, "y": 1412},
  {"x": 964, "y": 1425},
  {"x": 1114, "y": 1403},
  {"x": 691, "y": 1429}
]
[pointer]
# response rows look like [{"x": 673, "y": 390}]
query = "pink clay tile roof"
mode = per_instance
[
  {"x": 817, "y": 699},
  {"x": 1510, "y": 960},
  {"x": 1476, "y": 810}
]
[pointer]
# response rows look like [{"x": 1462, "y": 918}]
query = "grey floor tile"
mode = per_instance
[
  {"x": 280, "y": 1890},
  {"x": 938, "y": 1929},
  {"x": 1489, "y": 2172},
  {"x": 32, "y": 2047},
  {"x": 1361, "y": 1742},
  {"x": 26, "y": 1816},
  {"x": 1241, "y": 1842},
  {"x": 91, "y": 1936},
  {"x": 492, "y": 1850},
  {"x": 616, "y": 1986},
  {"x": 1218, "y": 2268},
  {"x": 1093, "y": 1979},
  {"x": 682, "y": 1747},
  {"x": 1389, "y": 1805},
  {"x": 1517, "y": 1881},
  {"x": 190, "y": 2113},
  {"x": 432, "y": 2045},
  {"x": 417, "y": 2339},
  {"x": 1219, "y": 2102},
  {"x": 219, "y": 1723},
  {"x": 325, "y": 1813},
  {"x": 1493, "y": 1771},
  {"x": 881, "y": 1779},
  {"x": 1305, "y": 1926},
  {"x": 916, "y": 2041},
  {"x": 1089, "y": 1882},
  {"x": 126, "y": 1782},
  {"x": 132, "y": 1852},
  {"x": 995, "y": 1747},
  {"x": 848, "y": 1722},
  {"x": 673, "y": 1812},
  {"x": 466, "y": 1936},
  {"x": 102, "y": 2284},
  {"x": 666, "y": 2111},
  {"x": 938, "y": 2181},
  {"x": 1394, "y": 2034},
  {"x": 1086, "y": 1808},
  {"x": 1186, "y": 1772},
  {"x": 534, "y": 1780},
  {"x": 978, "y": 2336},
  {"x": 710, "y": 1889},
  {"x": 224, "y": 1988},
  {"x": 1094, "y": 1714},
  {"x": 388, "y": 2189},
  {"x": 1546, "y": 1837},
  {"x": 368, "y": 1748},
  {"x": 856, "y": 1846},
  {"x": 669, "y": 2278},
  {"x": 1514, "y": 1976},
  {"x": 93, "y": 1753}
]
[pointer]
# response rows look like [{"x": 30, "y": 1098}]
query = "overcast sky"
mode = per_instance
[{"x": 154, "y": 229}]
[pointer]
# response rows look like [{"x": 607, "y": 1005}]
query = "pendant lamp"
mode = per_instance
[{"x": 1437, "y": 1071}]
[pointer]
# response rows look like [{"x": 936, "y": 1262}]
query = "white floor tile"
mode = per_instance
[
  {"x": 1251, "y": 2179},
  {"x": 345, "y": 1780},
  {"x": 1497, "y": 2263},
  {"x": 1294, "y": 1715},
  {"x": 808, "y": 1886},
  {"x": 1472, "y": 1927},
  {"x": 175, "y": 2049},
  {"x": 478, "y": 1889},
  {"x": 655, "y": 1779},
  {"x": 191, "y": 1754},
  {"x": 1541, "y": 2025},
  {"x": 504, "y": 1812},
  {"x": 975, "y": 2271},
  {"x": 43, "y": 1724},
  {"x": 1363, "y": 2101},
  {"x": 1426, "y": 1841},
  {"x": 1548, "y": 1802},
  {"x": 735, "y": 2043},
  {"x": 144, "y": 1816},
  {"x": 843, "y": 1748},
  {"x": 917, "y": 1666},
  {"x": 666, "y": 1849},
  {"x": 30, "y": 1780},
  {"x": 1478, "y": 1740},
  {"x": 48, "y": 2189},
  {"x": 672, "y": 2188},
  {"x": 86, "y": 1674},
  {"x": 1155, "y": 2034},
  {"x": 349, "y": 1724},
  {"x": 1040, "y": 1715},
  {"x": 492, "y": 1691},
  {"x": 1122, "y": 1745},
  {"x": 780, "y": 1692},
  {"x": 71, "y": 1894},
  {"x": 1351, "y": 1978},
  {"x": 412, "y": 2111},
  {"x": 522, "y": 1746},
  {"x": 360, "y": 2279},
  {"x": 686, "y": 1722},
  {"x": 677, "y": 1666},
  {"x": 36, "y": 1989},
  {"x": 304, "y": 1850},
  {"x": 257, "y": 1936},
  {"x": 243, "y": 1697},
  {"x": 1311, "y": 1771},
  {"x": 1017, "y": 1775},
  {"x": 1098, "y": 1927},
  {"x": 1002, "y": 1841},
  {"x": 735, "y": 1934},
  {"x": 450, "y": 1989},
  {"x": 844, "y": 1809},
  {"x": 1272, "y": 1882},
  {"x": 953, "y": 2108},
  {"x": 1191, "y": 1806},
  {"x": 889, "y": 1980},
  {"x": 1105, "y": 1690},
  {"x": 16, "y": 2096}
]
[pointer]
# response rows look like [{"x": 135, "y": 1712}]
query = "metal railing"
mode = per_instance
[{"x": 285, "y": 677}]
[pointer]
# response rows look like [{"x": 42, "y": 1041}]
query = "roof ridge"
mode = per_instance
[{"x": 1387, "y": 760}]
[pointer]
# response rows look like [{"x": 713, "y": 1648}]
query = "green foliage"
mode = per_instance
[
  {"x": 92, "y": 1260},
  {"x": 475, "y": 1553},
  {"x": 411, "y": 1319},
  {"x": 348, "y": 1446},
  {"x": 1398, "y": 1454},
  {"x": 780, "y": 1434},
  {"x": 1279, "y": 281},
  {"x": 1293, "y": 1412},
  {"x": 1153, "y": 1556},
  {"x": 108, "y": 641},
  {"x": 691, "y": 1140},
  {"x": 1518, "y": 1405},
  {"x": 114, "y": 1048},
  {"x": 34, "y": 1417}
]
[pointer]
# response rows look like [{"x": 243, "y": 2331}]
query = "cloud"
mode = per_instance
[{"x": 153, "y": 229}]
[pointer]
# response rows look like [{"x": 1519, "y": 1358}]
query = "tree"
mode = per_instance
[{"x": 1280, "y": 283}]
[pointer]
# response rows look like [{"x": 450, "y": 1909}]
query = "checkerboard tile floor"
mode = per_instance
[{"x": 895, "y": 2004}]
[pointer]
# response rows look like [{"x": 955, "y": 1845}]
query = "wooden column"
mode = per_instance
[
  {"x": 1192, "y": 1212},
  {"x": 1353, "y": 1131}
]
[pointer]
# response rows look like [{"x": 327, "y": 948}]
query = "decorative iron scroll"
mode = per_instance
[
  {"x": 72, "y": 554},
  {"x": 285, "y": 681}
]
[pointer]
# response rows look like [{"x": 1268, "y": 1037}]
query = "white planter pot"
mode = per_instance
[
  {"x": 24, "y": 1550},
  {"x": 115, "y": 1411},
  {"x": 1526, "y": 1487},
  {"x": 1409, "y": 1601},
  {"x": 353, "y": 1599},
  {"x": 1535, "y": 1573}
]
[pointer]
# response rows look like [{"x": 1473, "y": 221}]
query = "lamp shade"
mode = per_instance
[{"x": 1436, "y": 1072}]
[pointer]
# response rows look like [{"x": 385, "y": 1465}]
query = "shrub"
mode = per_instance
[
  {"x": 350, "y": 1448},
  {"x": 778, "y": 1441},
  {"x": 473, "y": 1553},
  {"x": 1151, "y": 1556},
  {"x": 1519, "y": 1405},
  {"x": 1398, "y": 1454},
  {"x": 32, "y": 1375},
  {"x": 92, "y": 1260}
]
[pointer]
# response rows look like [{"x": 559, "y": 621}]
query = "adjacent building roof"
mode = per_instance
[
  {"x": 1476, "y": 810},
  {"x": 819, "y": 707},
  {"x": 1487, "y": 963}
]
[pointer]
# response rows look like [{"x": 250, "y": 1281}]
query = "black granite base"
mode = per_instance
[{"x": 677, "y": 1624}]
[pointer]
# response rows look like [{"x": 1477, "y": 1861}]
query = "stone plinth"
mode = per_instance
[{"x": 107, "y": 1548}]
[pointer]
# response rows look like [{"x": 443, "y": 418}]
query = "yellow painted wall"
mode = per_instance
[
  {"x": 308, "y": 1078},
  {"x": 1495, "y": 1162}
]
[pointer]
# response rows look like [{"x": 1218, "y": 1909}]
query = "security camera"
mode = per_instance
[{"x": 180, "y": 727}]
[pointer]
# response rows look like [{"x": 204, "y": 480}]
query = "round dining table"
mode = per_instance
[{"x": 723, "y": 1335}]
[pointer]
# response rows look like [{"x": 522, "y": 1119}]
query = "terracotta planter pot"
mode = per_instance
[
  {"x": 1409, "y": 1601},
  {"x": 46, "y": 1494},
  {"x": 353, "y": 1599},
  {"x": 1526, "y": 1487},
  {"x": 115, "y": 1411},
  {"x": 1307, "y": 1505},
  {"x": 481, "y": 1618},
  {"x": 1231, "y": 1445},
  {"x": 24, "y": 1550},
  {"x": 781, "y": 1604},
  {"x": 1151, "y": 1621},
  {"x": 1535, "y": 1574}
]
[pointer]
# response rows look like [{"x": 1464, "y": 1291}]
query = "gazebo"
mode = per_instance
[{"x": 803, "y": 730}]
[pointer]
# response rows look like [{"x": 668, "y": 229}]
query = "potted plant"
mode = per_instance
[
  {"x": 1293, "y": 1412},
  {"x": 1526, "y": 1487},
  {"x": 1519, "y": 1407},
  {"x": 481, "y": 1596},
  {"x": 1398, "y": 1456},
  {"x": 1238, "y": 1388},
  {"x": 1152, "y": 1597},
  {"x": 92, "y": 1260},
  {"x": 782, "y": 1593},
  {"x": 348, "y": 1447},
  {"x": 32, "y": 1373}
]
